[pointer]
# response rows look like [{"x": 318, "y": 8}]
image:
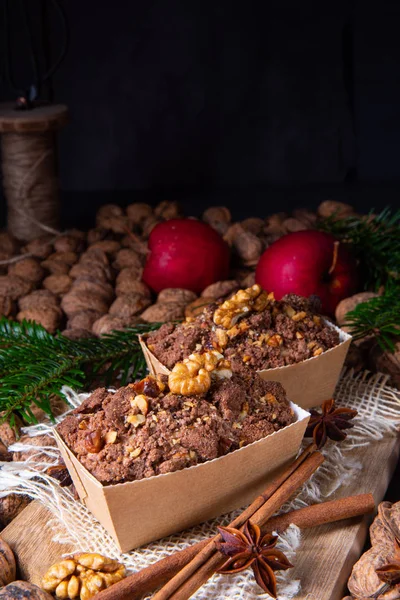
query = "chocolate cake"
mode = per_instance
[
  {"x": 144, "y": 429},
  {"x": 252, "y": 330}
]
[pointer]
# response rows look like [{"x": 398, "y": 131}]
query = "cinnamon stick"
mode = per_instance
[
  {"x": 321, "y": 514},
  {"x": 208, "y": 560},
  {"x": 147, "y": 580}
]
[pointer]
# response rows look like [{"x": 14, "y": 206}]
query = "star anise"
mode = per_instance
[
  {"x": 329, "y": 424},
  {"x": 390, "y": 573},
  {"x": 246, "y": 548}
]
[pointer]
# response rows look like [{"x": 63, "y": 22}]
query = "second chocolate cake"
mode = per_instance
[{"x": 251, "y": 329}]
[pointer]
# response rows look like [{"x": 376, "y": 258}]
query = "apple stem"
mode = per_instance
[{"x": 335, "y": 256}]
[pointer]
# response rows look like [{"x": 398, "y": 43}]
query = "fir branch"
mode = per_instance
[
  {"x": 34, "y": 365},
  {"x": 375, "y": 240},
  {"x": 378, "y": 317}
]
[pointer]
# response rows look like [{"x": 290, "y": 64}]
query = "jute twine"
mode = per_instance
[{"x": 30, "y": 184}]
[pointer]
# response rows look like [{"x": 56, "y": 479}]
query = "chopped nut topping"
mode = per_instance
[
  {"x": 299, "y": 335},
  {"x": 275, "y": 340},
  {"x": 311, "y": 345},
  {"x": 140, "y": 402},
  {"x": 83, "y": 425},
  {"x": 299, "y": 316},
  {"x": 244, "y": 301},
  {"x": 135, "y": 453},
  {"x": 222, "y": 337},
  {"x": 246, "y": 358},
  {"x": 317, "y": 352},
  {"x": 111, "y": 437},
  {"x": 136, "y": 420},
  {"x": 317, "y": 320}
]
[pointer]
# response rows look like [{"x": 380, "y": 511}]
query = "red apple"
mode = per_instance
[
  {"x": 306, "y": 263},
  {"x": 185, "y": 253}
]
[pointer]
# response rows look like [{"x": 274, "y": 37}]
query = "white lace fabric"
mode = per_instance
[{"x": 378, "y": 408}]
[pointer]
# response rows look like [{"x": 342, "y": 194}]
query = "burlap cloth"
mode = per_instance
[{"x": 379, "y": 415}]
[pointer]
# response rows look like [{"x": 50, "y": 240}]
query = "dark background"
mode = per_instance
[{"x": 261, "y": 106}]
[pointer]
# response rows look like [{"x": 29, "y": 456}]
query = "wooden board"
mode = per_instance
[{"x": 323, "y": 562}]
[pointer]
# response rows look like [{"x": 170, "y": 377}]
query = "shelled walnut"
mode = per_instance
[{"x": 82, "y": 576}]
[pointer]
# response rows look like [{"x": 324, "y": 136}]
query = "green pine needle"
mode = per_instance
[
  {"x": 378, "y": 317},
  {"x": 375, "y": 241},
  {"x": 34, "y": 365}
]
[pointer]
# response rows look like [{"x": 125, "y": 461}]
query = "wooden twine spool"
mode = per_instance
[{"x": 29, "y": 168}]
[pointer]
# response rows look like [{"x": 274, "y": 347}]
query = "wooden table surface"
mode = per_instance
[{"x": 323, "y": 562}]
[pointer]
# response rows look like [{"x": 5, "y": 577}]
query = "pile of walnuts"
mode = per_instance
[{"x": 89, "y": 283}]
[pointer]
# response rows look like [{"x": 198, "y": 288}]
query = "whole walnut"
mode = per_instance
[
  {"x": 83, "y": 320},
  {"x": 337, "y": 210},
  {"x": 168, "y": 210},
  {"x": 8, "y": 568},
  {"x": 178, "y": 295},
  {"x": 128, "y": 305},
  {"x": 98, "y": 288},
  {"x": 132, "y": 286},
  {"x": 125, "y": 276},
  {"x": 8, "y": 435},
  {"x": 220, "y": 289},
  {"x": 306, "y": 217},
  {"x": 350, "y": 303},
  {"x": 28, "y": 269},
  {"x": 40, "y": 247},
  {"x": 219, "y": 217},
  {"x": 75, "y": 302},
  {"x": 14, "y": 287},
  {"x": 110, "y": 247},
  {"x": 108, "y": 323},
  {"x": 274, "y": 224},
  {"x": 138, "y": 212},
  {"x": 58, "y": 284},
  {"x": 90, "y": 270},
  {"x": 39, "y": 299},
  {"x": 68, "y": 257},
  {"x": 386, "y": 362},
  {"x": 253, "y": 225},
  {"x": 56, "y": 267},
  {"x": 8, "y": 243},
  {"x": 10, "y": 507},
  {"x": 247, "y": 279},
  {"x": 148, "y": 225},
  {"x": 5, "y": 456},
  {"x": 290, "y": 225},
  {"x": 196, "y": 308},
  {"x": 49, "y": 318},
  {"x": 94, "y": 255},
  {"x": 109, "y": 210},
  {"x": 69, "y": 243},
  {"x": 7, "y": 306},
  {"x": 127, "y": 258},
  {"x": 248, "y": 246},
  {"x": 168, "y": 311},
  {"x": 95, "y": 235},
  {"x": 77, "y": 334},
  {"x": 17, "y": 590},
  {"x": 32, "y": 451},
  {"x": 114, "y": 224}
]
